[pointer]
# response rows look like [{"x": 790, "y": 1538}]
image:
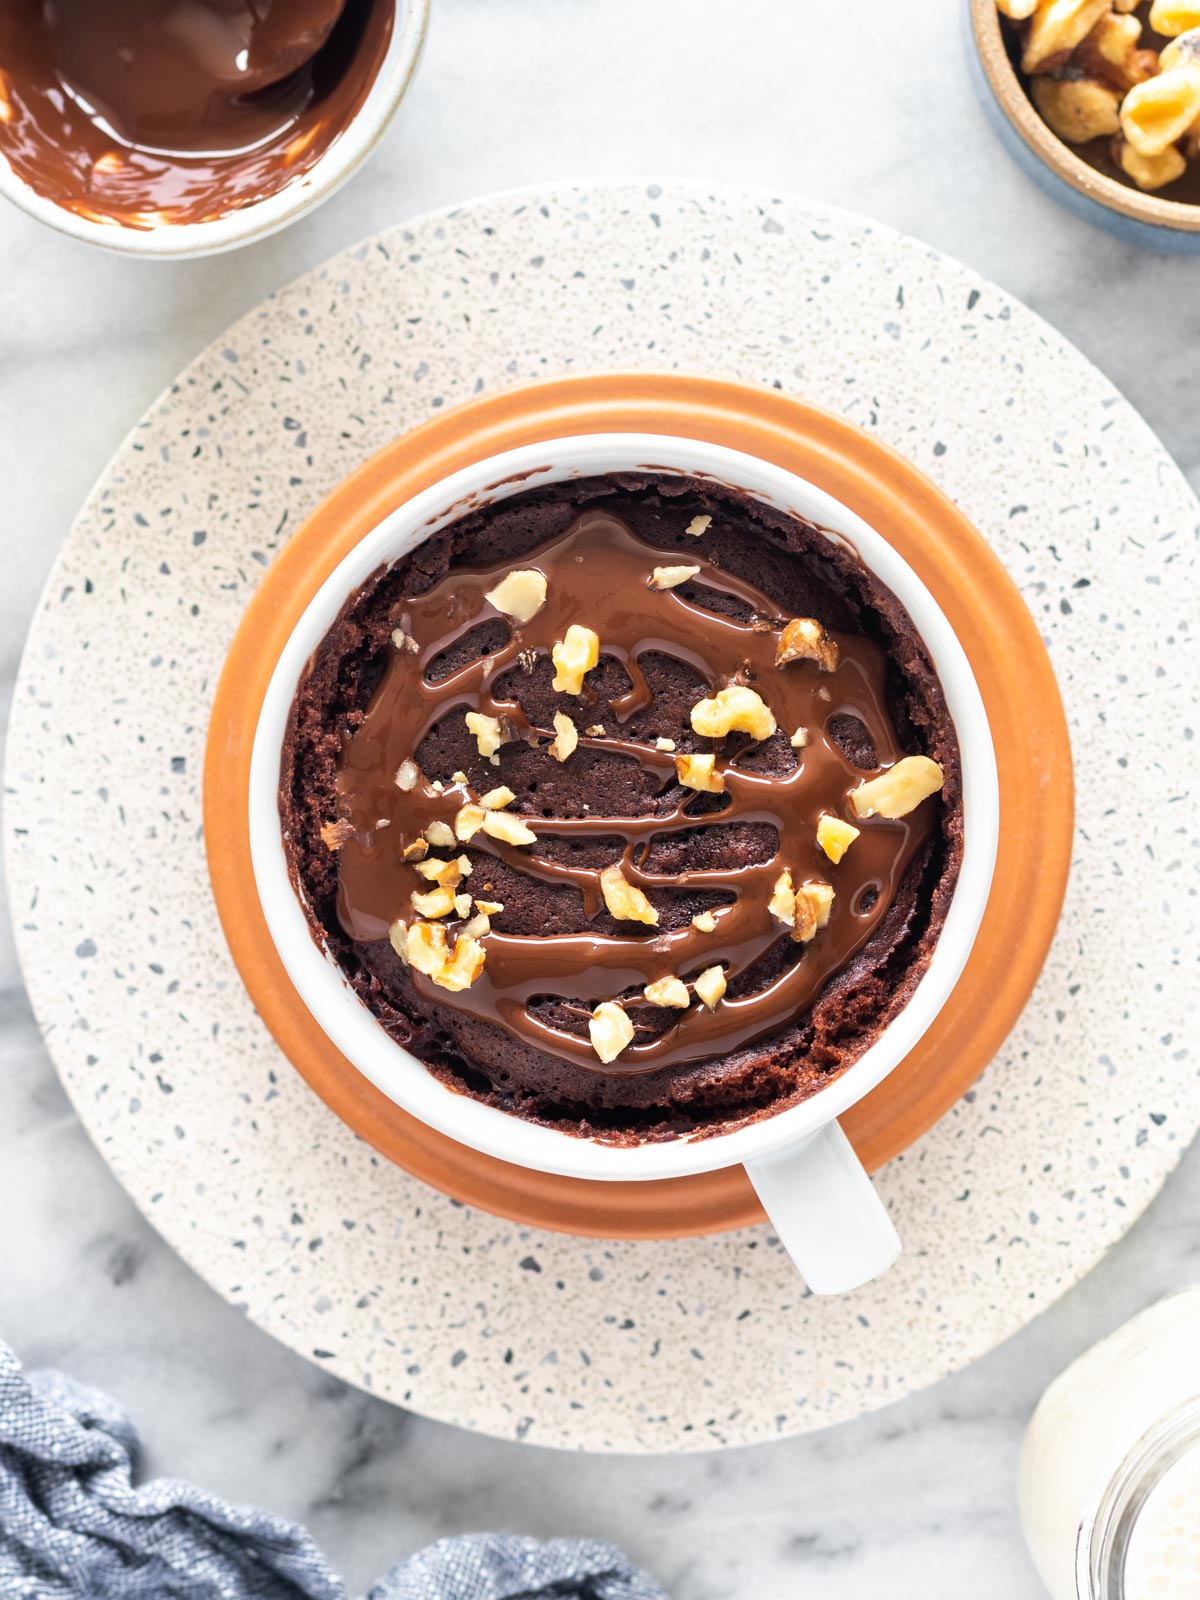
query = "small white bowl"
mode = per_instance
[
  {"x": 183, "y": 240},
  {"x": 811, "y": 1183}
]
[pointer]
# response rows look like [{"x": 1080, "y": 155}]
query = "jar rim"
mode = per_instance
[{"x": 1104, "y": 1534}]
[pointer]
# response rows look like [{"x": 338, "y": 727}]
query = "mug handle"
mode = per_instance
[{"x": 826, "y": 1212}]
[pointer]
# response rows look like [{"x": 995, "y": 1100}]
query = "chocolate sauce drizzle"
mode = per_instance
[
  {"x": 597, "y": 574},
  {"x": 145, "y": 112}
]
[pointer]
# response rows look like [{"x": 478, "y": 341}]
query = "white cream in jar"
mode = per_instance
[{"x": 1109, "y": 1480}]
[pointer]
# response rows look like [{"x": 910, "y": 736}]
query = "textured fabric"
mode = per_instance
[{"x": 74, "y": 1527}]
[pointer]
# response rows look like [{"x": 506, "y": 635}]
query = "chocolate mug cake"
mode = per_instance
[{"x": 629, "y": 805}]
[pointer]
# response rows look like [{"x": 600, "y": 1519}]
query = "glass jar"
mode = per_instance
[{"x": 1109, "y": 1481}]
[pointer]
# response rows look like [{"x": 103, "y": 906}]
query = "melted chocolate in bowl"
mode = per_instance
[
  {"x": 144, "y": 112},
  {"x": 794, "y": 1013}
]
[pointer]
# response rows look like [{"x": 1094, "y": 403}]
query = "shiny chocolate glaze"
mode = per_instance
[
  {"x": 151, "y": 111},
  {"x": 598, "y": 573}
]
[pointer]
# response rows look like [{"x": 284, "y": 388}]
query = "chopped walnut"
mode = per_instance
[
  {"x": 705, "y": 921},
  {"x": 419, "y": 849},
  {"x": 814, "y": 901},
  {"x": 440, "y": 835},
  {"x": 468, "y": 821},
  {"x": 438, "y": 902},
  {"x": 462, "y": 905},
  {"x": 799, "y": 739},
  {"x": 671, "y": 577},
  {"x": 426, "y": 947},
  {"x": 899, "y": 790},
  {"x": 521, "y": 595},
  {"x": 490, "y": 733},
  {"x": 574, "y": 657},
  {"x": 490, "y": 908},
  {"x": 335, "y": 834},
  {"x": 697, "y": 526},
  {"x": 461, "y": 971},
  {"x": 496, "y": 799},
  {"x": 566, "y": 737},
  {"x": 835, "y": 836},
  {"x": 1055, "y": 28},
  {"x": 506, "y": 827},
  {"x": 407, "y": 775},
  {"x": 624, "y": 900},
  {"x": 610, "y": 1030},
  {"x": 667, "y": 992},
  {"x": 734, "y": 709},
  {"x": 804, "y": 639},
  {"x": 404, "y": 641},
  {"x": 1156, "y": 113},
  {"x": 710, "y": 986},
  {"x": 595, "y": 731},
  {"x": 782, "y": 903},
  {"x": 698, "y": 772},
  {"x": 664, "y": 744}
]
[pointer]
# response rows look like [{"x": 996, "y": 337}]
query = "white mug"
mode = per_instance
[{"x": 816, "y": 1193}]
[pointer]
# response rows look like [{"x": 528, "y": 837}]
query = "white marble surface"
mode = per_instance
[{"x": 918, "y": 1497}]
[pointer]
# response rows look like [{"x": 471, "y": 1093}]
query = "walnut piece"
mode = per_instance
[
  {"x": 899, "y": 790},
  {"x": 625, "y": 900},
  {"x": 407, "y": 774},
  {"x": 508, "y": 829},
  {"x": 1077, "y": 109},
  {"x": 705, "y": 921},
  {"x": 799, "y": 738},
  {"x": 490, "y": 733},
  {"x": 664, "y": 744},
  {"x": 710, "y": 986},
  {"x": 438, "y": 902},
  {"x": 1174, "y": 16},
  {"x": 671, "y": 577},
  {"x": 335, "y": 834},
  {"x": 1156, "y": 113},
  {"x": 782, "y": 903},
  {"x": 697, "y": 526},
  {"x": 1055, "y": 28},
  {"x": 566, "y": 737},
  {"x": 835, "y": 836},
  {"x": 1150, "y": 172},
  {"x": 468, "y": 821},
  {"x": 610, "y": 1030},
  {"x": 697, "y": 772},
  {"x": 734, "y": 709},
  {"x": 574, "y": 656},
  {"x": 496, "y": 799},
  {"x": 814, "y": 901},
  {"x": 804, "y": 639},
  {"x": 521, "y": 595},
  {"x": 464, "y": 966},
  {"x": 667, "y": 992},
  {"x": 404, "y": 641},
  {"x": 440, "y": 834},
  {"x": 423, "y": 946}
]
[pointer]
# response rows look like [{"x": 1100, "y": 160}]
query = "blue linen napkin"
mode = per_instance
[{"x": 74, "y": 1527}]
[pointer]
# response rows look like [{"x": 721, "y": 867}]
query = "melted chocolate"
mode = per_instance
[
  {"x": 150, "y": 111},
  {"x": 722, "y": 629}
]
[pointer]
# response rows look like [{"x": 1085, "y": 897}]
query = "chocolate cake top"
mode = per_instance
[{"x": 606, "y": 794}]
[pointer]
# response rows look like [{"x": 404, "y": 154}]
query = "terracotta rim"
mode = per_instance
[
  {"x": 968, "y": 582},
  {"x": 1048, "y": 147}
]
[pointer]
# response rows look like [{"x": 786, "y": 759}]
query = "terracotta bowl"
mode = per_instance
[
  {"x": 1140, "y": 218},
  {"x": 968, "y": 583}
]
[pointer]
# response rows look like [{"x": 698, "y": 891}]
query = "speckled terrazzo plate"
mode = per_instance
[{"x": 601, "y": 1345}]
